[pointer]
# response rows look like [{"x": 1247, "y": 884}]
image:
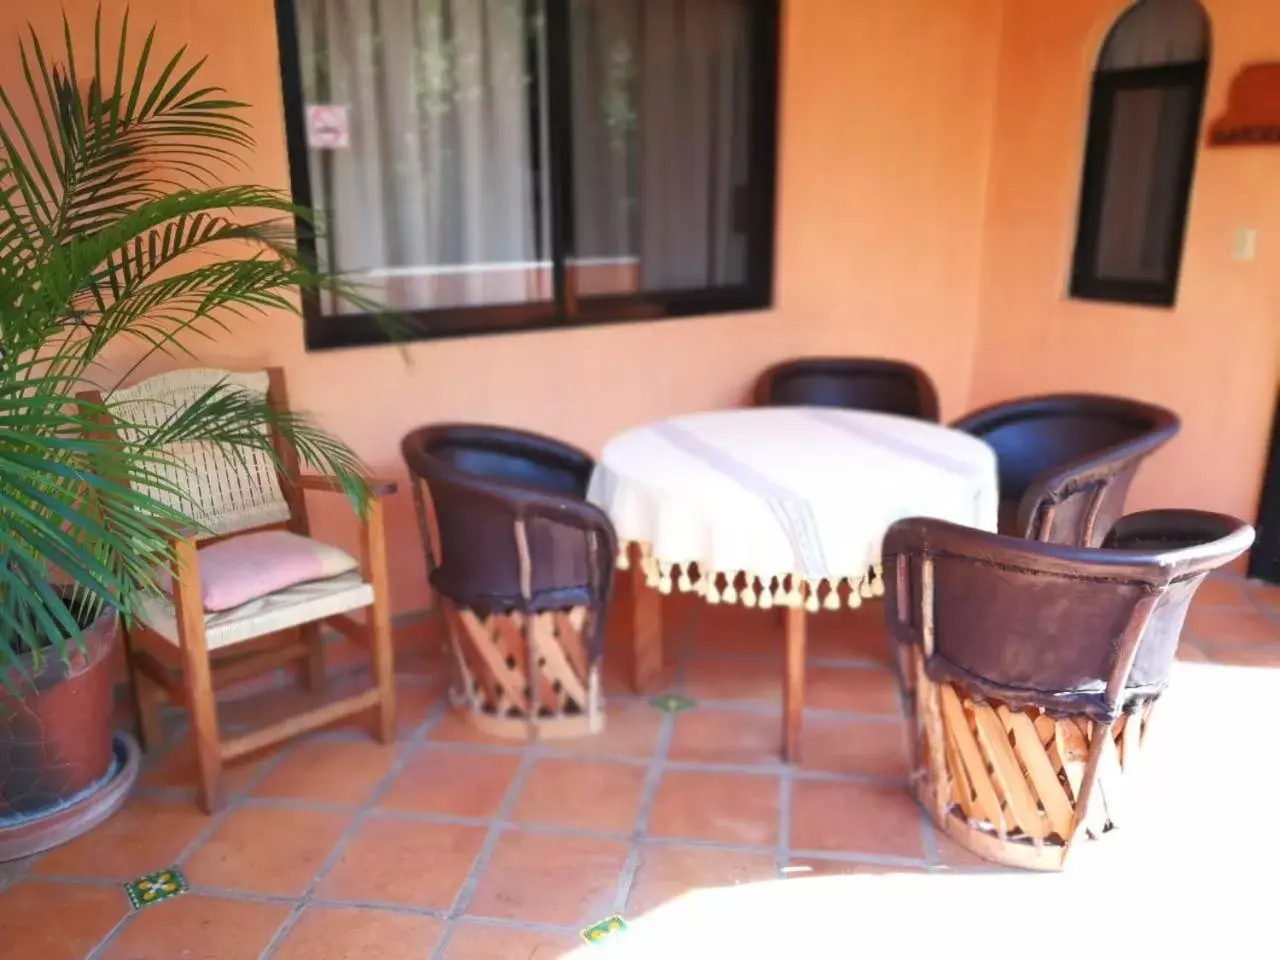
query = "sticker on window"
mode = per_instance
[{"x": 328, "y": 127}]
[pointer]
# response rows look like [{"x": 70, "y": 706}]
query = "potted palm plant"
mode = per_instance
[{"x": 117, "y": 243}]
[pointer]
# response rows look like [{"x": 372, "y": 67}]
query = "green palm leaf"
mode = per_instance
[{"x": 115, "y": 229}]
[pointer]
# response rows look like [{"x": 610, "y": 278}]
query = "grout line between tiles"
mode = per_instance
[
  {"x": 928, "y": 838},
  {"x": 782, "y": 855},
  {"x": 462, "y": 899},
  {"x": 404, "y": 750},
  {"x": 720, "y": 845},
  {"x": 627, "y": 878},
  {"x": 111, "y": 936},
  {"x": 504, "y": 826},
  {"x": 810, "y": 713},
  {"x": 871, "y": 859},
  {"x": 833, "y": 663},
  {"x": 656, "y": 765},
  {"x": 243, "y": 896},
  {"x": 74, "y": 881},
  {"x": 652, "y": 778},
  {"x": 233, "y": 803},
  {"x": 401, "y": 908},
  {"x": 504, "y": 924}
]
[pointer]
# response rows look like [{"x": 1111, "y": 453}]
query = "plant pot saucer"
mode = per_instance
[{"x": 38, "y": 832}]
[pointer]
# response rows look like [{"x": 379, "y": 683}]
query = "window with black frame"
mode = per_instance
[
  {"x": 491, "y": 165},
  {"x": 1144, "y": 122}
]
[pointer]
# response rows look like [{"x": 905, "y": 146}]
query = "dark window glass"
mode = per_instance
[
  {"x": 1148, "y": 93},
  {"x": 486, "y": 165}
]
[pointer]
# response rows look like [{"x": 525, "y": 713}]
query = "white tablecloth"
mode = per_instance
[{"x": 785, "y": 498}]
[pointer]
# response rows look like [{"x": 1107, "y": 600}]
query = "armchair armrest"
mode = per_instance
[{"x": 378, "y": 486}]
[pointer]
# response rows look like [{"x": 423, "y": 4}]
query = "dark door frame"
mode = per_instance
[{"x": 1264, "y": 559}]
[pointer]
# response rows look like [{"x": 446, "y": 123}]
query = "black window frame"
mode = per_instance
[
  {"x": 1107, "y": 85},
  {"x": 564, "y": 310}
]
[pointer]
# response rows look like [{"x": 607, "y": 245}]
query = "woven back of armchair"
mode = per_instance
[{"x": 226, "y": 491}]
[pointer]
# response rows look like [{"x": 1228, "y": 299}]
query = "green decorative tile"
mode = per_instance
[
  {"x": 672, "y": 703},
  {"x": 151, "y": 889},
  {"x": 608, "y": 929}
]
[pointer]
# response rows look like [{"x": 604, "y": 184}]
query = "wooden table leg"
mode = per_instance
[
  {"x": 646, "y": 629},
  {"x": 793, "y": 693}
]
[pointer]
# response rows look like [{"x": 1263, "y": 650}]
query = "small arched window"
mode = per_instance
[{"x": 1144, "y": 122}]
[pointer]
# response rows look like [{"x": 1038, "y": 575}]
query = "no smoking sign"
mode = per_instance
[{"x": 328, "y": 127}]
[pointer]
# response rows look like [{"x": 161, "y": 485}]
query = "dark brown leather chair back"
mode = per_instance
[
  {"x": 513, "y": 528},
  {"x": 855, "y": 383},
  {"x": 1064, "y": 629},
  {"x": 1066, "y": 461}
]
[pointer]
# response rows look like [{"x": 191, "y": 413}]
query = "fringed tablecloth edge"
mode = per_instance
[{"x": 720, "y": 586}]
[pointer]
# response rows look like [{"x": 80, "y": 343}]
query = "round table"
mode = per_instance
[{"x": 778, "y": 506}]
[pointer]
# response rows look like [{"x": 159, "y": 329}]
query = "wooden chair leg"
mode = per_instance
[
  {"x": 793, "y": 692},
  {"x": 646, "y": 630},
  {"x": 197, "y": 676},
  {"x": 145, "y": 697},
  {"x": 380, "y": 641},
  {"x": 314, "y": 675}
]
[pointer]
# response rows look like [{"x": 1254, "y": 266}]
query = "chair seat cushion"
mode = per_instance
[
  {"x": 303, "y": 603},
  {"x": 254, "y": 565}
]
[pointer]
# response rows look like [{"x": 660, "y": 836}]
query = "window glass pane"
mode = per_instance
[
  {"x": 1141, "y": 192},
  {"x": 1156, "y": 32},
  {"x": 429, "y": 172},
  {"x": 662, "y": 131}
]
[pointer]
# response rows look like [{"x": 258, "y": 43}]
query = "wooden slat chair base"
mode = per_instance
[
  {"x": 491, "y": 674},
  {"x": 1006, "y": 783}
]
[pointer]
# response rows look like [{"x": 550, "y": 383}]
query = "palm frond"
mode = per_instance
[{"x": 115, "y": 230}]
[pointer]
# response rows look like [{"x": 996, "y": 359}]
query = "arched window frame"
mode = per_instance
[{"x": 1087, "y": 283}]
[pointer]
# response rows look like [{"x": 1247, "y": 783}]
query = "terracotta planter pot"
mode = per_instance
[{"x": 55, "y": 736}]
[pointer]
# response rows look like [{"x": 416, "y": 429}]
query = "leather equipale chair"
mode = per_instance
[
  {"x": 1032, "y": 669},
  {"x": 1066, "y": 460},
  {"x": 855, "y": 383},
  {"x": 525, "y": 570}
]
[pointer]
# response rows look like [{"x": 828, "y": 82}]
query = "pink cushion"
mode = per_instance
[{"x": 253, "y": 565}]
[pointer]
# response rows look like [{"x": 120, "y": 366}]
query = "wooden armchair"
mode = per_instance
[
  {"x": 1032, "y": 669},
  {"x": 178, "y": 647}
]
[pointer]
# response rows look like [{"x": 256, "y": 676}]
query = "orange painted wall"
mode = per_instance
[
  {"x": 887, "y": 111},
  {"x": 1213, "y": 358}
]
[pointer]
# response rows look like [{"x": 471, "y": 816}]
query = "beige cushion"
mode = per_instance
[{"x": 287, "y": 608}]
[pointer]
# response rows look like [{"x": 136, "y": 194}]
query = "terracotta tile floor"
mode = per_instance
[{"x": 450, "y": 845}]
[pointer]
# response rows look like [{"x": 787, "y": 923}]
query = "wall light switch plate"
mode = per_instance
[{"x": 1244, "y": 245}]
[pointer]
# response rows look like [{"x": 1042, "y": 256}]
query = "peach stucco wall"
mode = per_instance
[
  {"x": 1212, "y": 358},
  {"x": 929, "y": 167},
  {"x": 886, "y": 117}
]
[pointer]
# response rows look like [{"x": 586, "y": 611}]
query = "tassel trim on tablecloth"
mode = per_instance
[{"x": 739, "y": 586}]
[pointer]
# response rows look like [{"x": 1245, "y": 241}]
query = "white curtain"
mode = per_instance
[
  {"x": 661, "y": 125},
  {"x": 442, "y": 196},
  {"x": 439, "y": 175}
]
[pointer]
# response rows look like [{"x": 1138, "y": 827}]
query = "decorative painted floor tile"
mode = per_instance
[
  {"x": 155, "y": 887},
  {"x": 608, "y": 929},
  {"x": 672, "y": 703}
]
